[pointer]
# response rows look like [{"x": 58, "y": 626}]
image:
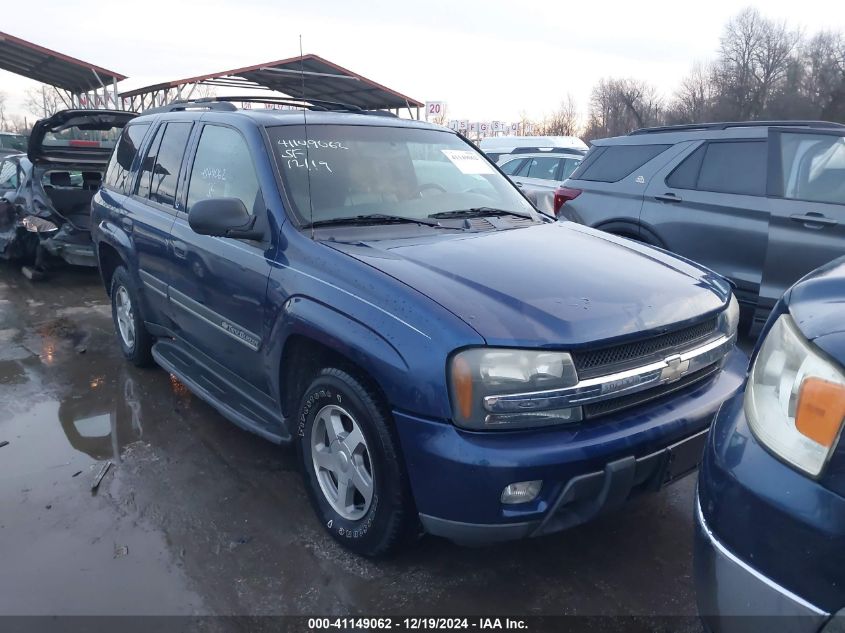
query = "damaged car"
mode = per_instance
[{"x": 45, "y": 194}]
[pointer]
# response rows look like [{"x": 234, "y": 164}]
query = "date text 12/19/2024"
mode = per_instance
[{"x": 416, "y": 624}]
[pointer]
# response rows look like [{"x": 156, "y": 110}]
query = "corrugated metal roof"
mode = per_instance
[
  {"x": 51, "y": 67},
  {"x": 322, "y": 78}
]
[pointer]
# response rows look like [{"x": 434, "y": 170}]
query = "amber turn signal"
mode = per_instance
[
  {"x": 462, "y": 386},
  {"x": 821, "y": 410}
]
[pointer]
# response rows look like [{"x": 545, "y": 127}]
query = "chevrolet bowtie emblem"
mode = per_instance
[{"x": 675, "y": 369}]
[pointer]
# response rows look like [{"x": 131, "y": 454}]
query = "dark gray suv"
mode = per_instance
[{"x": 762, "y": 203}]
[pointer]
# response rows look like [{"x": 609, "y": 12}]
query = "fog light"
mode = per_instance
[{"x": 521, "y": 492}]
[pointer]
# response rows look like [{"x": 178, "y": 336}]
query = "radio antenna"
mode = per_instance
[{"x": 305, "y": 127}]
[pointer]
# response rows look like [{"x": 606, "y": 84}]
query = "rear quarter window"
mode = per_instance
[
  {"x": 612, "y": 163},
  {"x": 124, "y": 154},
  {"x": 724, "y": 167}
]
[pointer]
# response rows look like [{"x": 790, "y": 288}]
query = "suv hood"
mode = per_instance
[
  {"x": 45, "y": 148},
  {"x": 554, "y": 285},
  {"x": 817, "y": 303}
]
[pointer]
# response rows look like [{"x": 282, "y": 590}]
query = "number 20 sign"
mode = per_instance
[{"x": 434, "y": 109}]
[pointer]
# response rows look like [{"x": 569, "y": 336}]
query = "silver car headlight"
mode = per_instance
[
  {"x": 795, "y": 398},
  {"x": 477, "y": 373},
  {"x": 729, "y": 318},
  {"x": 34, "y": 224}
]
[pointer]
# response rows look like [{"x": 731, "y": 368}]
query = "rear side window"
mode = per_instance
[
  {"x": 121, "y": 159},
  {"x": 813, "y": 167},
  {"x": 512, "y": 166},
  {"x": 614, "y": 162},
  {"x": 725, "y": 167},
  {"x": 569, "y": 166},
  {"x": 160, "y": 171},
  {"x": 543, "y": 168},
  {"x": 734, "y": 167},
  {"x": 223, "y": 168}
]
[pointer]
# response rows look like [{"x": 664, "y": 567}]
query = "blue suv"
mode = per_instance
[
  {"x": 770, "y": 533},
  {"x": 377, "y": 292}
]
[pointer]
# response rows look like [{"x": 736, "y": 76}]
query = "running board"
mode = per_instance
[{"x": 232, "y": 401}]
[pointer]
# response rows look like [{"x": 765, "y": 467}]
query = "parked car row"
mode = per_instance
[
  {"x": 381, "y": 295},
  {"x": 540, "y": 174}
]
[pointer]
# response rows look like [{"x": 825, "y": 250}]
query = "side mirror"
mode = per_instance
[{"x": 223, "y": 217}]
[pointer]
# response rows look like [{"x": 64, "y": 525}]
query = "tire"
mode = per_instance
[
  {"x": 134, "y": 340},
  {"x": 375, "y": 527}
]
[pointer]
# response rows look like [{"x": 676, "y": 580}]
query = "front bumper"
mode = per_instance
[
  {"x": 457, "y": 476},
  {"x": 786, "y": 526},
  {"x": 729, "y": 590}
]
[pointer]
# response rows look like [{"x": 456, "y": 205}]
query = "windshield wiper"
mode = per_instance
[
  {"x": 375, "y": 218},
  {"x": 476, "y": 212}
]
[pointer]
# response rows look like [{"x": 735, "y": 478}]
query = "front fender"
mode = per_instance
[{"x": 346, "y": 336}]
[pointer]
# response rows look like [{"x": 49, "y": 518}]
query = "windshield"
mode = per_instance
[{"x": 356, "y": 170}]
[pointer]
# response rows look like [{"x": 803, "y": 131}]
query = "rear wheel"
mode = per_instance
[
  {"x": 135, "y": 342},
  {"x": 352, "y": 466}
]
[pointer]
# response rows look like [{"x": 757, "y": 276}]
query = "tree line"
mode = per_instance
[{"x": 763, "y": 70}]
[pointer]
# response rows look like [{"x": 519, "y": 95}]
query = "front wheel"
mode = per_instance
[
  {"x": 352, "y": 465},
  {"x": 135, "y": 342}
]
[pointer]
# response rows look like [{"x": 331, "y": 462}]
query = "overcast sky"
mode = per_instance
[{"x": 489, "y": 60}]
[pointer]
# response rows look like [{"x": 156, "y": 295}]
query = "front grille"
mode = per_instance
[
  {"x": 607, "y": 360},
  {"x": 625, "y": 402}
]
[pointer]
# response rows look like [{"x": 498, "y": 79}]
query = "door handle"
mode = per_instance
[
  {"x": 813, "y": 220},
  {"x": 179, "y": 250},
  {"x": 669, "y": 197},
  {"x": 520, "y": 185}
]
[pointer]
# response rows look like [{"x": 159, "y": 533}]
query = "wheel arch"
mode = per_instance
[
  {"x": 108, "y": 258},
  {"x": 632, "y": 230},
  {"x": 314, "y": 336}
]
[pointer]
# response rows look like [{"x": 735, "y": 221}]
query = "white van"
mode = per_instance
[{"x": 497, "y": 146}]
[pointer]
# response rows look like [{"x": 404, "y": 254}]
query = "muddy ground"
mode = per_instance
[{"x": 199, "y": 517}]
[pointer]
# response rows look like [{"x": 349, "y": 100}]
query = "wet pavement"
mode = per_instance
[{"x": 199, "y": 517}]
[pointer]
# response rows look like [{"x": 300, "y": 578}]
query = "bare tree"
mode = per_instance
[
  {"x": 755, "y": 56},
  {"x": 618, "y": 106},
  {"x": 693, "y": 100},
  {"x": 3, "y": 121},
  {"x": 43, "y": 102},
  {"x": 18, "y": 124},
  {"x": 737, "y": 52},
  {"x": 564, "y": 120},
  {"x": 771, "y": 59},
  {"x": 824, "y": 76}
]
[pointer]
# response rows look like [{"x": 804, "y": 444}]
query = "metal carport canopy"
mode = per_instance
[
  {"x": 51, "y": 67},
  {"x": 322, "y": 79}
]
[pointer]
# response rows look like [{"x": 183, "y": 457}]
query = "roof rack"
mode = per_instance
[
  {"x": 225, "y": 104},
  {"x": 692, "y": 127}
]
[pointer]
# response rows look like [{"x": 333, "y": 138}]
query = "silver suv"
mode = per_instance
[
  {"x": 762, "y": 203},
  {"x": 539, "y": 174}
]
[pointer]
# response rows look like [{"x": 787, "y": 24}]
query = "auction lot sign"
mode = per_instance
[{"x": 434, "y": 109}]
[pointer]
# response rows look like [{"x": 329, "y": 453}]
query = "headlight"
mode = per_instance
[
  {"x": 729, "y": 318},
  {"x": 795, "y": 398},
  {"x": 34, "y": 224},
  {"x": 480, "y": 372}
]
